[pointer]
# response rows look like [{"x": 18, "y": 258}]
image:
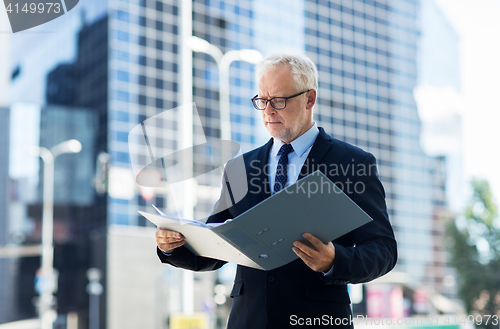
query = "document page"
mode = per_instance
[{"x": 202, "y": 241}]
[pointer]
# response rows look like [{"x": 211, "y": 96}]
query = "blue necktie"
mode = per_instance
[{"x": 282, "y": 168}]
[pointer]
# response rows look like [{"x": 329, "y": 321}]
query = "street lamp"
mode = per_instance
[
  {"x": 189, "y": 44},
  {"x": 186, "y": 138},
  {"x": 224, "y": 62},
  {"x": 94, "y": 289},
  {"x": 47, "y": 280}
]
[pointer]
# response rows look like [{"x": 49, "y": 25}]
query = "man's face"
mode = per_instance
[{"x": 296, "y": 118}]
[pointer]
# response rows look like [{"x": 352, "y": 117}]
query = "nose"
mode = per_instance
[{"x": 269, "y": 110}]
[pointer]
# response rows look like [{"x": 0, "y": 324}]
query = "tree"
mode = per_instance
[{"x": 475, "y": 253}]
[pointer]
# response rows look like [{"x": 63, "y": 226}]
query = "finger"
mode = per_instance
[
  {"x": 305, "y": 258},
  {"x": 171, "y": 240},
  {"x": 305, "y": 249},
  {"x": 169, "y": 247},
  {"x": 302, "y": 255},
  {"x": 317, "y": 243},
  {"x": 168, "y": 240},
  {"x": 177, "y": 244},
  {"x": 168, "y": 234},
  {"x": 175, "y": 235}
]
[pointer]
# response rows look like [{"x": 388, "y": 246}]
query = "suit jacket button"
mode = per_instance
[{"x": 270, "y": 278}]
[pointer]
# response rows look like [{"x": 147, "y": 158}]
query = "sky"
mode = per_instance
[{"x": 479, "y": 28}]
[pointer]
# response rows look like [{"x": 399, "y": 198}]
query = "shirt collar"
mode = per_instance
[{"x": 301, "y": 144}]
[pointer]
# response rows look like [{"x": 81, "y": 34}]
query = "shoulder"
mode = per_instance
[
  {"x": 341, "y": 150},
  {"x": 256, "y": 157},
  {"x": 260, "y": 153}
]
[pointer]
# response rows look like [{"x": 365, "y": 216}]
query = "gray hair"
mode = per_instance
[{"x": 304, "y": 72}]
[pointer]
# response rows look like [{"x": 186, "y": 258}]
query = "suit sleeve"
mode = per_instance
[
  {"x": 183, "y": 258},
  {"x": 374, "y": 252}
]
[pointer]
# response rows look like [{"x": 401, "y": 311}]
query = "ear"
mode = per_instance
[{"x": 311, "y": 99}]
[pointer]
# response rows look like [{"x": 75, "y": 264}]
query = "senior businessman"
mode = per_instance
[{"x": 315, "y": 285}]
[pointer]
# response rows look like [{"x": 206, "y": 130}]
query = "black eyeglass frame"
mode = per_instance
[{"x": 254, "y": 98}]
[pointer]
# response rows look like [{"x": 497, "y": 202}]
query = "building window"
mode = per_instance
[
  {"x": 142, "y": 21},
  {"x": 122, "y": 96},
  {"x": 123, "y": 16},
  {"x": 123, "y": 36},
  {"x": 159, "y": 6},
  {"x": 142, "y": 60},
  {"x": 122, "y": 136},
  {"x": 122, "y": 76},
  {"x": 122, "y": 116}
]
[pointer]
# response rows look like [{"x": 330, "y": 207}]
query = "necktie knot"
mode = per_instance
[{"x": 285, "y": 149}]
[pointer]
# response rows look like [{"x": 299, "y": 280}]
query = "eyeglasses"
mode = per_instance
[{"x": 278, "y": 103}]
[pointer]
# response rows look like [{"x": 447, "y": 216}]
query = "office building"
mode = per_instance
[
  {"x": 440, "y": 106},
  {"x": 6, "y": 263},
  {"x": 61, "y": 79}
]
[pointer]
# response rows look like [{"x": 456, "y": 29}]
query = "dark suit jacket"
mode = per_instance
[{"x": 281, "y": 297}]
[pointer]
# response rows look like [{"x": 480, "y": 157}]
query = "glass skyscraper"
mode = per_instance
[
  {"x": 5, "y": 264},
  {"x": 120, "y": 60},
  {"x": 440, "y": 106}
]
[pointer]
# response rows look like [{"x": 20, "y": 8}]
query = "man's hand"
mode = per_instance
[
  {"x": 320, "y": 258},
  {"x": 167, "y": 240}
]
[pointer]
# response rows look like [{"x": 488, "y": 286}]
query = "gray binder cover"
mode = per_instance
[{"x": 262, "y": 236}]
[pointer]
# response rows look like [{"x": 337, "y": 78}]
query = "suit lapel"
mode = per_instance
[
  {"x": 263, "y": 160},
  {"x": 320, "y": 148}
]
